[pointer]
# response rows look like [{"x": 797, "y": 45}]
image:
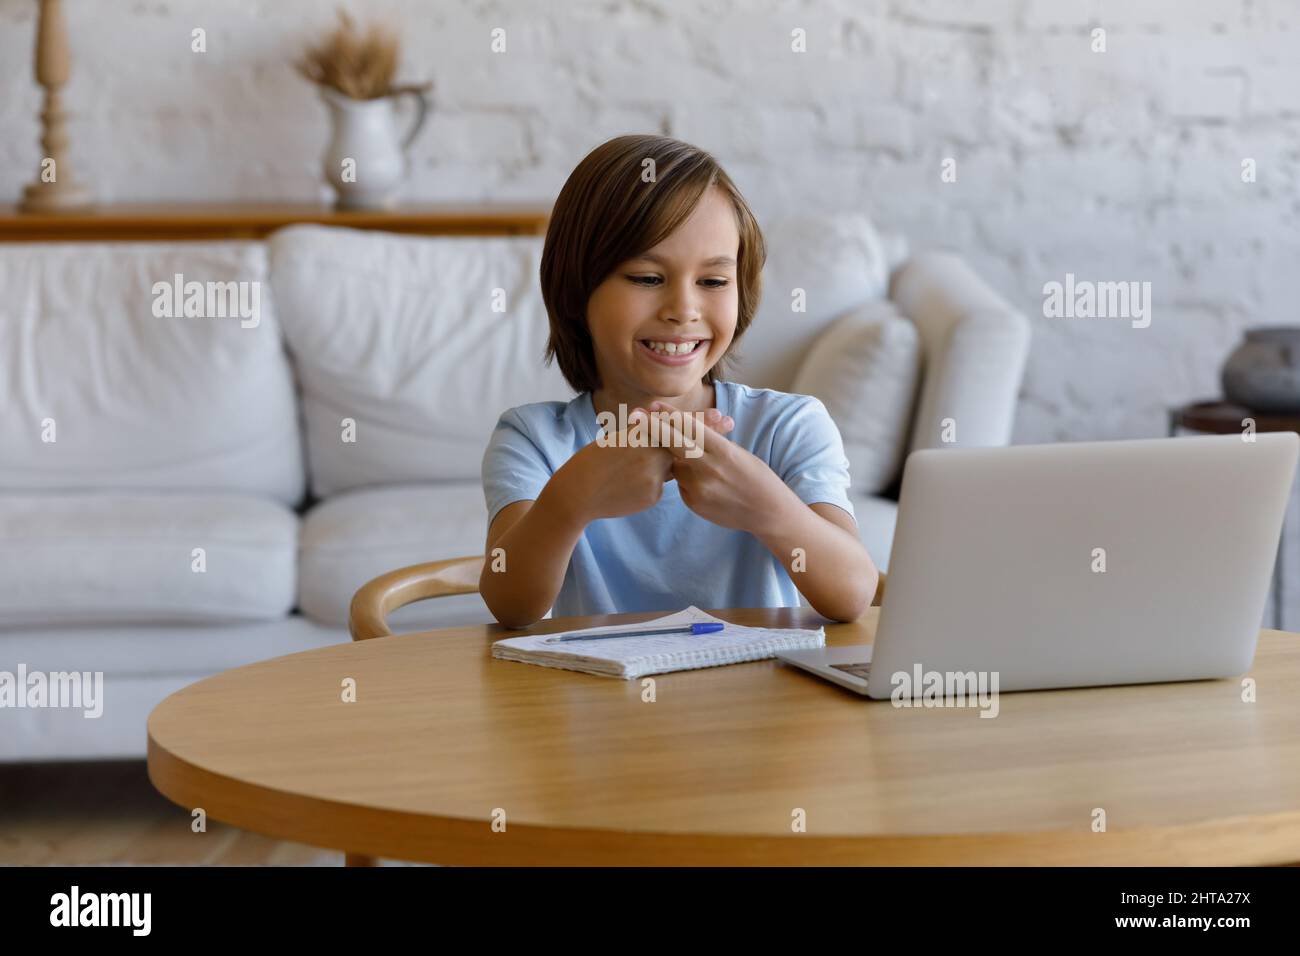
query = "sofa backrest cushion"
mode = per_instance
[
  {"x": 405, "y": 364},
  {"x": 408, "y": 349},
  {"x": 106, "y": 383},
  {"x": 818, "y": 268}
]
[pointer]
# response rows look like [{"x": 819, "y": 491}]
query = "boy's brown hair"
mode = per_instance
[{"x": 606, "y": 214}]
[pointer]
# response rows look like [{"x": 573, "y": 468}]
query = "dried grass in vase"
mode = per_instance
[{"x": 358, "y": 65}]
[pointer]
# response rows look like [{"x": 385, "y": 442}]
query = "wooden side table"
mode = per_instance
[{"x": 1225, "y": 418}]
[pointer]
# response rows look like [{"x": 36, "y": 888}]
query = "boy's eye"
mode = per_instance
[{"x": 651, "y": 281}]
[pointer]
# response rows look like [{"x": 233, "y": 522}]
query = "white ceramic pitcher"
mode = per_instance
[{"x": 366, "y": 160}]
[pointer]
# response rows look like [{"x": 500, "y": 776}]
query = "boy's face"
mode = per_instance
[{"x": 677, "y": 295}]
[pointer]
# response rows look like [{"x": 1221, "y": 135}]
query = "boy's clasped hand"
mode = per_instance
[{"x": 719, "y": 480}]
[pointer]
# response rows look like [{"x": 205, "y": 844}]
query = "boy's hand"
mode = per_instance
[
  {"x": 723, "y": 424},
  {"x": 614, "y": 479},
  {"x": 719, "y": 480},
  {"x": 620, "y": 478},
  {"x": 720, "y": 423}
]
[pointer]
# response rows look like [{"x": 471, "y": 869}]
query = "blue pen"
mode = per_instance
[{"x": 690, "y": 629}]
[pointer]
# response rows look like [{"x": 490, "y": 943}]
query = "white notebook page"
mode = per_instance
[{"x": 631, "y": 657}]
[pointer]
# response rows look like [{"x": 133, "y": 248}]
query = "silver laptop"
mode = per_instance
[{"x": 1076, "y": 565}]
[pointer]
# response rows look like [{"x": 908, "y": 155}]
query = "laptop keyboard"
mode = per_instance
[{"x": 857, "y": 670}]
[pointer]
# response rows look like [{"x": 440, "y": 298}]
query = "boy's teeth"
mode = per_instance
[{"x": 673, "y": 348}]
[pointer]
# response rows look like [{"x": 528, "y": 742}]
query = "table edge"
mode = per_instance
[{"x": 437, "y": 838}]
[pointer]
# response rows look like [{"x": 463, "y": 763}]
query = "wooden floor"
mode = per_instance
[{"x": 82, "y": 814}]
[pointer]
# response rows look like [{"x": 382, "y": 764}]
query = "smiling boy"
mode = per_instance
[{"x": 648, "y": 286}]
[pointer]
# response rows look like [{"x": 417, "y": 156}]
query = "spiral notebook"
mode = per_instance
[{"x": 632, "y": 657}]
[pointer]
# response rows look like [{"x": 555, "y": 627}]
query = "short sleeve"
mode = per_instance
[
  {"x": 809, "y": 456},
  {"x": 514, "y": 468}
]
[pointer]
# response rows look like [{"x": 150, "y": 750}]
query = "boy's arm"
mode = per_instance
[
  {"x": 536, "y": 539},
  {"x": 832, "y": 569}
]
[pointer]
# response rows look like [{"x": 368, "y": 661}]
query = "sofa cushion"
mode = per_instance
[
  {"x": 865, "y": 369},
  {"x": 838, "y": 261},
  {"x": 121, "y": 650},
  {"x": 127, "y": 558},
  {"x": 352, "y": 538},
  {"x": 107, "y": 384},
  {"x": 398, "y": 334}
]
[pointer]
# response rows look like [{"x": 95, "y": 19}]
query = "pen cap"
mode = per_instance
[{"x": 705, "y": 628}]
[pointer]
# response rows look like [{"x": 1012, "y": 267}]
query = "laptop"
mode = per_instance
[{"x": 1076, "y": 565}]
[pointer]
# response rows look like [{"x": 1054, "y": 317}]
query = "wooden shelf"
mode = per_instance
[{"x": 145, "y": 222}]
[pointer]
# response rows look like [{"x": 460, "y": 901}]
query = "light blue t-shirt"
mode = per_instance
[{"x": 668, "y": 557}]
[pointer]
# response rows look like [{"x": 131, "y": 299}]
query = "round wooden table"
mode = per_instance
[{"x": 449, "y": 756}]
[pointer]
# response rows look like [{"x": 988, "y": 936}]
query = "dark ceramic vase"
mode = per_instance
[{"x": 1263, "y": 374}]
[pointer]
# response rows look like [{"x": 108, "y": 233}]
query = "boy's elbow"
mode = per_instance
[
  {"x": 846, "y": 611},
  {"x": 850, "y": 615},
  {"x": 501, "y": 593},
  {"x": 516, "y": 624},
  {"x": 514, "y": 620},
  {"x": 512, "y": 617},
  {"x": 840, "y": 613}
]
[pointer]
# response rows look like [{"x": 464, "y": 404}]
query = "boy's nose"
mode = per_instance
[{"x": 684, "y": 306}]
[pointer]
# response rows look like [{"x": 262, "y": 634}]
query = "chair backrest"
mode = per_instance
[
  {"x": 372, "y": 604},
  {"x": 374, "y": 601}
]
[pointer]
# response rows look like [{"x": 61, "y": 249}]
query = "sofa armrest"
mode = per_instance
[{"x": 975, "y": 346}]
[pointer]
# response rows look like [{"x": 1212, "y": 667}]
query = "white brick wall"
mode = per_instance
[{"x": 1115, "y": 165}]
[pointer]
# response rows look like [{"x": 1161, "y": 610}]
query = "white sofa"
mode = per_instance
[{"x": 131, "y": 441}]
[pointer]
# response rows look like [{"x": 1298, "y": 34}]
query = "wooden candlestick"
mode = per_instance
[{"x": 62, "y": 191}]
